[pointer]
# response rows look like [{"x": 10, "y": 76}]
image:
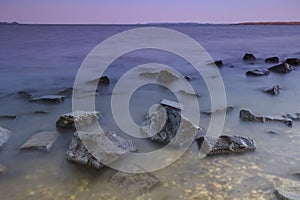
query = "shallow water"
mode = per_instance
[{"x": 45, "y": 59}]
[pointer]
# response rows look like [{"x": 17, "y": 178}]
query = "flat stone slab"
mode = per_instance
[
  {"x": 291, "y": 193},
  {"x": 225, "y": 144},
  {"x": 49, "y": 99},
  {"x": 97, "y": 149},
  {"x": 4, "y": 136},
  {"x": 76, "y": 118},
  {"x": 136, "y": 183},
  {"x": 42, "y": 141}
]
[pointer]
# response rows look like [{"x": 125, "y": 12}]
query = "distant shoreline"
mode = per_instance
[{"x": 160, "y": 24}]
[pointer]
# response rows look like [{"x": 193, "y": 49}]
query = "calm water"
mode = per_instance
[{"x": 45, "y": 59}]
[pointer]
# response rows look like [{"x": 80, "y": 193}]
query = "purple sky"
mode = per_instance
[{"x": 143, "y": 11}]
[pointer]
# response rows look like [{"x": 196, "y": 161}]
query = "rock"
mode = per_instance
[
  {"x": 188, "y": 94},
  {"x": 171, "y": 103},
  {"x": 293, "y": 61},
  {"x": 290, "y": 193},
  {"x": 107, "y": 147},
  {"x": 227, "y": 109},
  {"x": 8, "y": 116},
  {"x": 226, "y": 144},
  {"x": 42, "y": 112},
  {"x": 274, "y": 90},
  {"x": 272, "y": 60},
  {"x": 258, "y": 72},
  {"x": 42, "y": 141},
  {"x": 137, "y": 183},
  {"x": 163, "y": 126},
  {"x": 25, "y": 94},
  {"x": 281, "y": 68},
  {"x": 4, "y": 136},
  {"x": 164, "y": 76},
  {"x": 49, "y": 99},
  {"x": 3, "y": 169},
  {"x": 218, "y": 63},
  {"x": 273, "y": 132},
  {"x": 103, "y": 80},
  {"x": 188, "y": 78},
  {"x": 247, "y": 115},
  {"x": 68, "y": 92},
  {"x": 249, "y": 57},
  {"x": 80, "y": 118},
  {"x": 295, "y": 117}
]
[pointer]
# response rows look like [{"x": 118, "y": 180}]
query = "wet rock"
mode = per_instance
[
  {"x": 295, "y": 117},
  {"x": 247, "y": 115},
  {"x": 258, "y": 72},
  {"x": 274, "y": 90},
  {"x": 188, "y": 93},
  {"x": 226, "y": 144},
  {"x": 273, "y": 132},
  {"x": 42, "y": 141},
  {"x": 164, "y": 76},
  {"x": 290, "y": 193},
  {"x": 281, "y": 68},
  {"x": 165, "y": 125},
  {"x": 188, "y": 78},
  {"x": 42, "y": 112},
  {"x": 137, "y": 183},
  {"x": 171, "y": 103},
  {"x": 4, "y": 136},
  {"x": 227, "y": 109},
  {"x": 293, "y": 61},
  {"x": 25, "y": 94},
  {"x": 76, "y": 118},
  {"x": 103, "y": 80},
  {"x": 272, "y": 60},
  {"x": 105, "y": 148},
  {"x": 8, "y": 116},
  {"x": 3, "y": 169},
  {"x": 68, "y": 92},
  {"x": 49, "y": 99},
  {"x": 218, "y": 63},
  {"x": 249, "y": 57}
]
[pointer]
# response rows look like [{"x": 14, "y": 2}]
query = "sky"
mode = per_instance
[{"x": 147, "y": 11}]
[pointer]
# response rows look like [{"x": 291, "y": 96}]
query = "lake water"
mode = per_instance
[{"x": 45, "y": 59}]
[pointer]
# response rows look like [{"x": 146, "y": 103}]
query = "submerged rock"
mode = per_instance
[
  {"x": 107, "y": 147},
  {"x": 281, "y": 68},
  {"x": 272, "y": 60},
  {"x": 226, "y": 144},
  {"x": 247, "y": 115},
  {"x": 8, "y": 116},
  {"x": 42, "y": 141},
  {"x": 164, "y": 76},
  {"x": 227, "y": 109},
  {"x": 25, "y": 94},
  {"x": 76, "y": 118},
  {"x": 290, "y": 193},
  {"x": 258, "y": 72},
  {"x": 49, "y": 99},
  {"x": 274, "y": 90},
  {"x": 293, "y": 61},
  {"x": 4, "y": 136},
  {"x": 249, "y": 57},
  {"x": 137, "y": 183},
  {"x": 164, "y": 124}
]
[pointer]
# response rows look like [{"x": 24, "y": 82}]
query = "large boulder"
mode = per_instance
[
  {"x": 102, "y": 148},
  {"x": 166, "y": 125},
  {"x": 226, "y": 144},
  {"x": 4, "y": 136},
  {"x": 293, "y": 61},
  {"x": 247, "y": 115},
  {"x": 272, "y": 60},
  {"x": 76, "y": 118},
  {"x": 249, "y": 57},
  {"x": 281, "y": 68},
  {"x": 42, "y": 141},
  {"x": 258, "y": 72}
]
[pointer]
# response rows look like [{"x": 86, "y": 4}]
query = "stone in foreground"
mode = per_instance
[
  {"x": 249, "y": 57},
  {"x": 226, "y": 144},
  {"x": 274, "y": 90},
  {"x": 258, "y": 72},
  {"x": 293, "y": 61},
  {"x": 49, "y": 99},
  {"x": 4, "y": 136},
  {"x": 281, "y": 68},
  {"x": 104, "y": 148},
  {"x": 165, "y": 125},
  {"x": 247, "y": 115},
  {"x": 291, "y": 193},
  {"x": 42, "y": 141},
  {"x": 272, "y": 60},
  {"x": 76, "y": 118},
  {"x": 138, "y": 183}
]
